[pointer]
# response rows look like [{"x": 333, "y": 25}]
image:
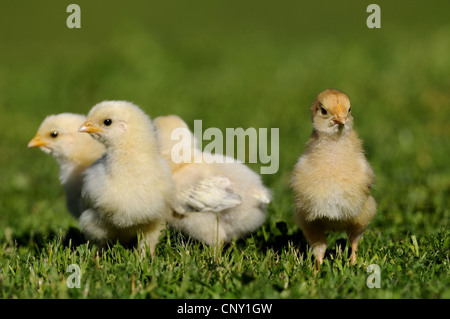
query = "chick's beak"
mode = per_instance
[
  {"x": 339, "y": 120},
  {"x": 37, "y": 142},
  {"x": 89, "y": 127},
  {"x": 340, "y": 117}
]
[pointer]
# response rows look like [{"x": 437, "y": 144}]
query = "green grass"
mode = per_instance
[{"x": 232, "y": 65}]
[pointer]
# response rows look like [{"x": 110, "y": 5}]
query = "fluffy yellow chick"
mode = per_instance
[
  {"x": 129, "y": 190},
  {"x": 332, "y": 179},
  {"x": 215, "y": 202},
  {"x": 58, "y": 136}
]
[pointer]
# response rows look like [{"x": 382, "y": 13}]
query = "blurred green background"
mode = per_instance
[{"x": 234, "y": 64}]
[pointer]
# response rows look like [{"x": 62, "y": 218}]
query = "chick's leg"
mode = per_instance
[
  {"x": 359, "y": 224},
  {"x": 203, "y": 226},
  {"x": 315, "y": 235},
  {"x": 354, "y": 240},
  {"x": 150, "y": 236},
  {"x": 319, "y": 246}
]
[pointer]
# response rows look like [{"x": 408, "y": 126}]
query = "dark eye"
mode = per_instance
[
  {"x": 107, "y": 122},
  {"x": 54, "y": 134},
  {"x": 349, "y": 110},
  {"x": 323, "y": 111}
]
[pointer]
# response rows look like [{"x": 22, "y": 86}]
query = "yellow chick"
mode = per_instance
[
  {"x": 332, "y": 179},
  {"x": 129, "y": 190},
  {"x": 58, "y": 136},
  {"x": 215, "y": 202}
]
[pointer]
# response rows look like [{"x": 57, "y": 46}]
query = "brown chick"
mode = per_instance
[{"x": 332, "y": 179}]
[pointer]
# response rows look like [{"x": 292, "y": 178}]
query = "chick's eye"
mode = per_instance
[
  {"x": 349, "y": 110},
  {"x": 107, "y": 122},
  {"x": 54, "y": 134},
  {"x": 323, "y": 111}
]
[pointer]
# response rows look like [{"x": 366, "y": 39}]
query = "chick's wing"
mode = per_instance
[{"x": 209, "y": 194}]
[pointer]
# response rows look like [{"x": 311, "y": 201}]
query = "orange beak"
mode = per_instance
[
  {"x": 37, "y": 142},
  {"x": 340, "y": 117},
  {"x": 339, "y": 120},
  {"x": 89, "y": 127}
]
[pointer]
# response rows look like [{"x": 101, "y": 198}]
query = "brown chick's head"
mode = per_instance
[
  {"x": 331, "y": 112},
  {"x": 58, "y": 136},
  {"x": 118, "y": 124}
]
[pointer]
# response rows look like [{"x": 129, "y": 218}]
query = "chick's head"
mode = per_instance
[
  {"x": 172, "y": 130},
  {"x": 331, "y": 112},
  {"x": 165, "y": 125},
  {"x": 58, "y": 136},
  {"x": 118, "y": 123}
]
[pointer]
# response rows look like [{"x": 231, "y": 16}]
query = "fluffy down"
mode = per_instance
[
  {"x": 58, "y": 136},
  {"x": 128, "y": 190},
  {"x": 215, "y": 202},
  {"x": 332, "y": 179}
]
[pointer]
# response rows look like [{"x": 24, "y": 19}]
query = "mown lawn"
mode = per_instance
[{"x": 232, "y": 64}]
